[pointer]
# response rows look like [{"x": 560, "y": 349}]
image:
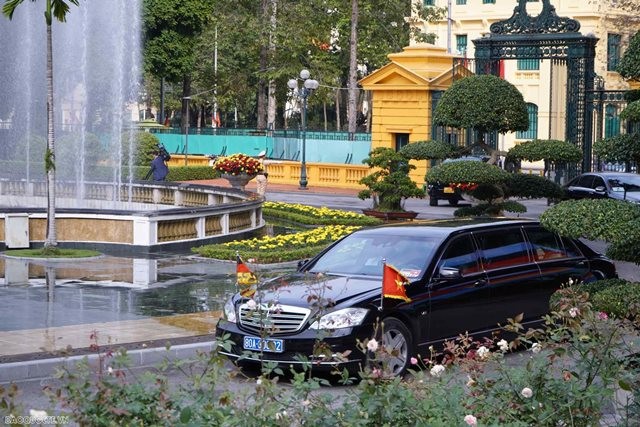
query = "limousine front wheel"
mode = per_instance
[{"x": 396, "y": 344}]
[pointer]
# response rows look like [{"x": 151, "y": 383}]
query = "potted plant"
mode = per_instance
[
  {"x": 238, "y": 169},
  {"x": 389, "y": 185}
]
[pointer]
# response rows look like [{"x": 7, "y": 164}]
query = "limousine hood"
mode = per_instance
[{"x": 304, "y": 289}]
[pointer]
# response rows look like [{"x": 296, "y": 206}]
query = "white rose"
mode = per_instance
[
  {"x": 437, "y": 370},
  {"x": 471, "y": 420},
  {"x": 574, "y": 311},
  {"x": 526, "y": 392},
  {"x": 251, "y": 304},
  {"x": 483, "y": 352},
  {"x": 536, "y": 347},
  {"x": 503, "y": 345},
  {"x": 372, "y": 345}
]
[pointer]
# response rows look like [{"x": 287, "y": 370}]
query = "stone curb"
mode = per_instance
[{"x": 46, "y": 368}]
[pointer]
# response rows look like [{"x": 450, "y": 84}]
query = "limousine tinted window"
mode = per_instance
[
  {"x": 546, "y": 245},
  {"x": 460, "y": 254},
  {"x": 502, "y": 249}
]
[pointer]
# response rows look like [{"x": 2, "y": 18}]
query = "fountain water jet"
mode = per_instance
[{"x": 96, "y": 59}]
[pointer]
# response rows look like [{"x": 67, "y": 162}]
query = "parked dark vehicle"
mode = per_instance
[
  {"x": 445, "y": 191},
  {"x": 602, "y": 185},
  {"x": 465, "y": 276}
]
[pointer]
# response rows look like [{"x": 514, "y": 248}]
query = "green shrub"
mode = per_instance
[
  {"x": 591, "y": 288},
  {"x": 191, "y": 173},
  {"x": 532, "y": 187},
  {"x": 621, "y": 301},
  {"x": 309, "y": 215},
  {"x": 551, "y": 150},
  {"x": 428, "y": 150},
  {"x": 467, "y": 171}
]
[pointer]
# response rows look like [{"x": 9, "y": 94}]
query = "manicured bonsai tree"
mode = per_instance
[
  {"x": 614, "y": 221},
  {"x": 429, "y": 150},
  {"x": 552, "y": 151},
  {"x": 389, "y": 184},
  {"x": 485, "y": 103},
  {"x": 619, "y": 148}
]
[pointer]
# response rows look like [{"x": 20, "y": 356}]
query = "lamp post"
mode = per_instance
[
  {"x": 308, "y": 86},
  {"x": 186, "y": 130}
]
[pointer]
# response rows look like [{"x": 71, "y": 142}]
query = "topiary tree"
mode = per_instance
[
  {"x": 552, "y": 151},
  {"x": 389, "y": 185},
  {"x": 485, "y": 103},
  {"x": 613, "y": 221},
  {"x": 480, "y": 180},
  {"x": 619, "y": 148},
  {"x": 429, "y": 150}
]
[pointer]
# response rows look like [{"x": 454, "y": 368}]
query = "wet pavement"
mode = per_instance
[{"x": 47, "y": 308}]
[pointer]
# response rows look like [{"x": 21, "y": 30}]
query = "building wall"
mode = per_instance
[{"x": 546, "y": 87}]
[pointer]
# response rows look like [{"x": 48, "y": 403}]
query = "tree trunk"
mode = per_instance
[
  {"x": 50, "y": 160},
  {"x": 262, "y": 83},
  {"x": 353, "y": 69},
  {"x": 271, "y": 108}
]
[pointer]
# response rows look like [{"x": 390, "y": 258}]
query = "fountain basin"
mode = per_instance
[{"x": 139, "y": 218}]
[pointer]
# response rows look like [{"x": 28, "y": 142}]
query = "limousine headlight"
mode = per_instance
[
  {"x": 230, "y": 311},
  {"x": 345, "y": 318}
]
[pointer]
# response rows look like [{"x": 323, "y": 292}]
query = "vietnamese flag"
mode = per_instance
[
  {"x": 393, "y": 284},
  {"x": 245, "y": 279}
]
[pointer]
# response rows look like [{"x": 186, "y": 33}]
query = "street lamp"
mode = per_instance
[{"x": 308, "y": 86}]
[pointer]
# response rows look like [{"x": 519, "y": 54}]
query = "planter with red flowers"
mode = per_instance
[{"x": 238, "y": 169}]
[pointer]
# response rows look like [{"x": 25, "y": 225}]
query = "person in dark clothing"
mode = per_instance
[{"x": 159, "y": 168}]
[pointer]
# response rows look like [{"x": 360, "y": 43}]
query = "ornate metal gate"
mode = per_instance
[{"x": 548, "y": 36}]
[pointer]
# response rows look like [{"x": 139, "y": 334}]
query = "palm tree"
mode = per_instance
[{"x": 59, "y": 10}]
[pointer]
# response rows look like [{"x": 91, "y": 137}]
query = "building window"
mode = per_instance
[
  {"x": 532, "y": 132},
  {"x": 428, "y": 2},
  {"x": 488, "y": 1},
  {"x": 529, "y": 64},
  {"x": 611, "y": 121},
  {"x": 461, "y": 1},
  {"x": 613, "y": 51},
  {"x": 461, "y": 44}
]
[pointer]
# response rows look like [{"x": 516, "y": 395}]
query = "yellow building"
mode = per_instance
[
  {"x": 402, "y": 96},
  {"x": 541, "y": 81}
]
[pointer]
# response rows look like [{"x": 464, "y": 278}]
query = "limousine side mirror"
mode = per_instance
[
  {"x": 600, "y": 189},
  {"x": 449, "y": 273},
  {"x": 302, "y": 262}
]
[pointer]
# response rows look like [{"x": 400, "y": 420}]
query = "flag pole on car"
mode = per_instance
[{"x": 246, "y": 281}]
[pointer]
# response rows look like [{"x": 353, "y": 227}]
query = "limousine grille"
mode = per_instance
[{"x": 273, "y": 319}]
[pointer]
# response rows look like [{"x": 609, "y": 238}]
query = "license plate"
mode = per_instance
[
  {"x": 448, "y": 190},
  {"x": 263, "y": 344}
]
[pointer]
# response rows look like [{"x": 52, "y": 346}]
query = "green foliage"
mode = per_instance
[
  {"x": 483, "y": 102},
  {"x": 191, "y": 173},
  {"x": 490, "y": 209},
  {"x": 613, "y": 221},
  {"x": 621, "y": 300},
  {"x": 551, "y": 150},
  {"x": 145, "y": 144},
  {"x": 619, "y": 148},
  {"x": 467, "y": 171},
  {"x": 428, "y": 150},
  {"x": 632, "y": 95},
  {"x": 631, "y": 112},
  {"x": 629, "y": 65},
  {"x": 590, "y": 288},
  {"x": 530, "y": 186},
  {"x": 390, "y": 184}
]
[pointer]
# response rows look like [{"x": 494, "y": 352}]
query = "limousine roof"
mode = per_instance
[{"x": 447, "y": 226}]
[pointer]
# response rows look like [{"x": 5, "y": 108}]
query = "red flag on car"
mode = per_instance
[
  {"x": 245, "y": 279},
  {"x": 393, "y": 284}
]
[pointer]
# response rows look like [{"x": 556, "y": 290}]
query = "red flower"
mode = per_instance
[{"x": 237, "y": 164}]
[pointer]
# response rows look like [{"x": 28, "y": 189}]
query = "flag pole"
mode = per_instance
[
  {"x": 384, "y": 263},
  {"x": 237, "y": 261}
]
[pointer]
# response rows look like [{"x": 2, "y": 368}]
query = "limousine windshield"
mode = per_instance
[{"x": 363, "y": 254}]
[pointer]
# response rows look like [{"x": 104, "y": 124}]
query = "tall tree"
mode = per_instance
[
  {"x": 171, "y": 32},
  {"x": 57, "y": 9}
]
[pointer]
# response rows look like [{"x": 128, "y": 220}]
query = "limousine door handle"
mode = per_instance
[{"x": 480, "y": 283}]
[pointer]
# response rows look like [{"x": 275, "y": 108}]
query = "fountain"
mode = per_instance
[{"x": 96, "y": 57}]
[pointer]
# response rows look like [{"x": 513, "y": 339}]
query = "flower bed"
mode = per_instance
[
  {"x": 285, "y": 247},
  {"x": 310, "y": 215},
  {"x": 238, "y": 164}
]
